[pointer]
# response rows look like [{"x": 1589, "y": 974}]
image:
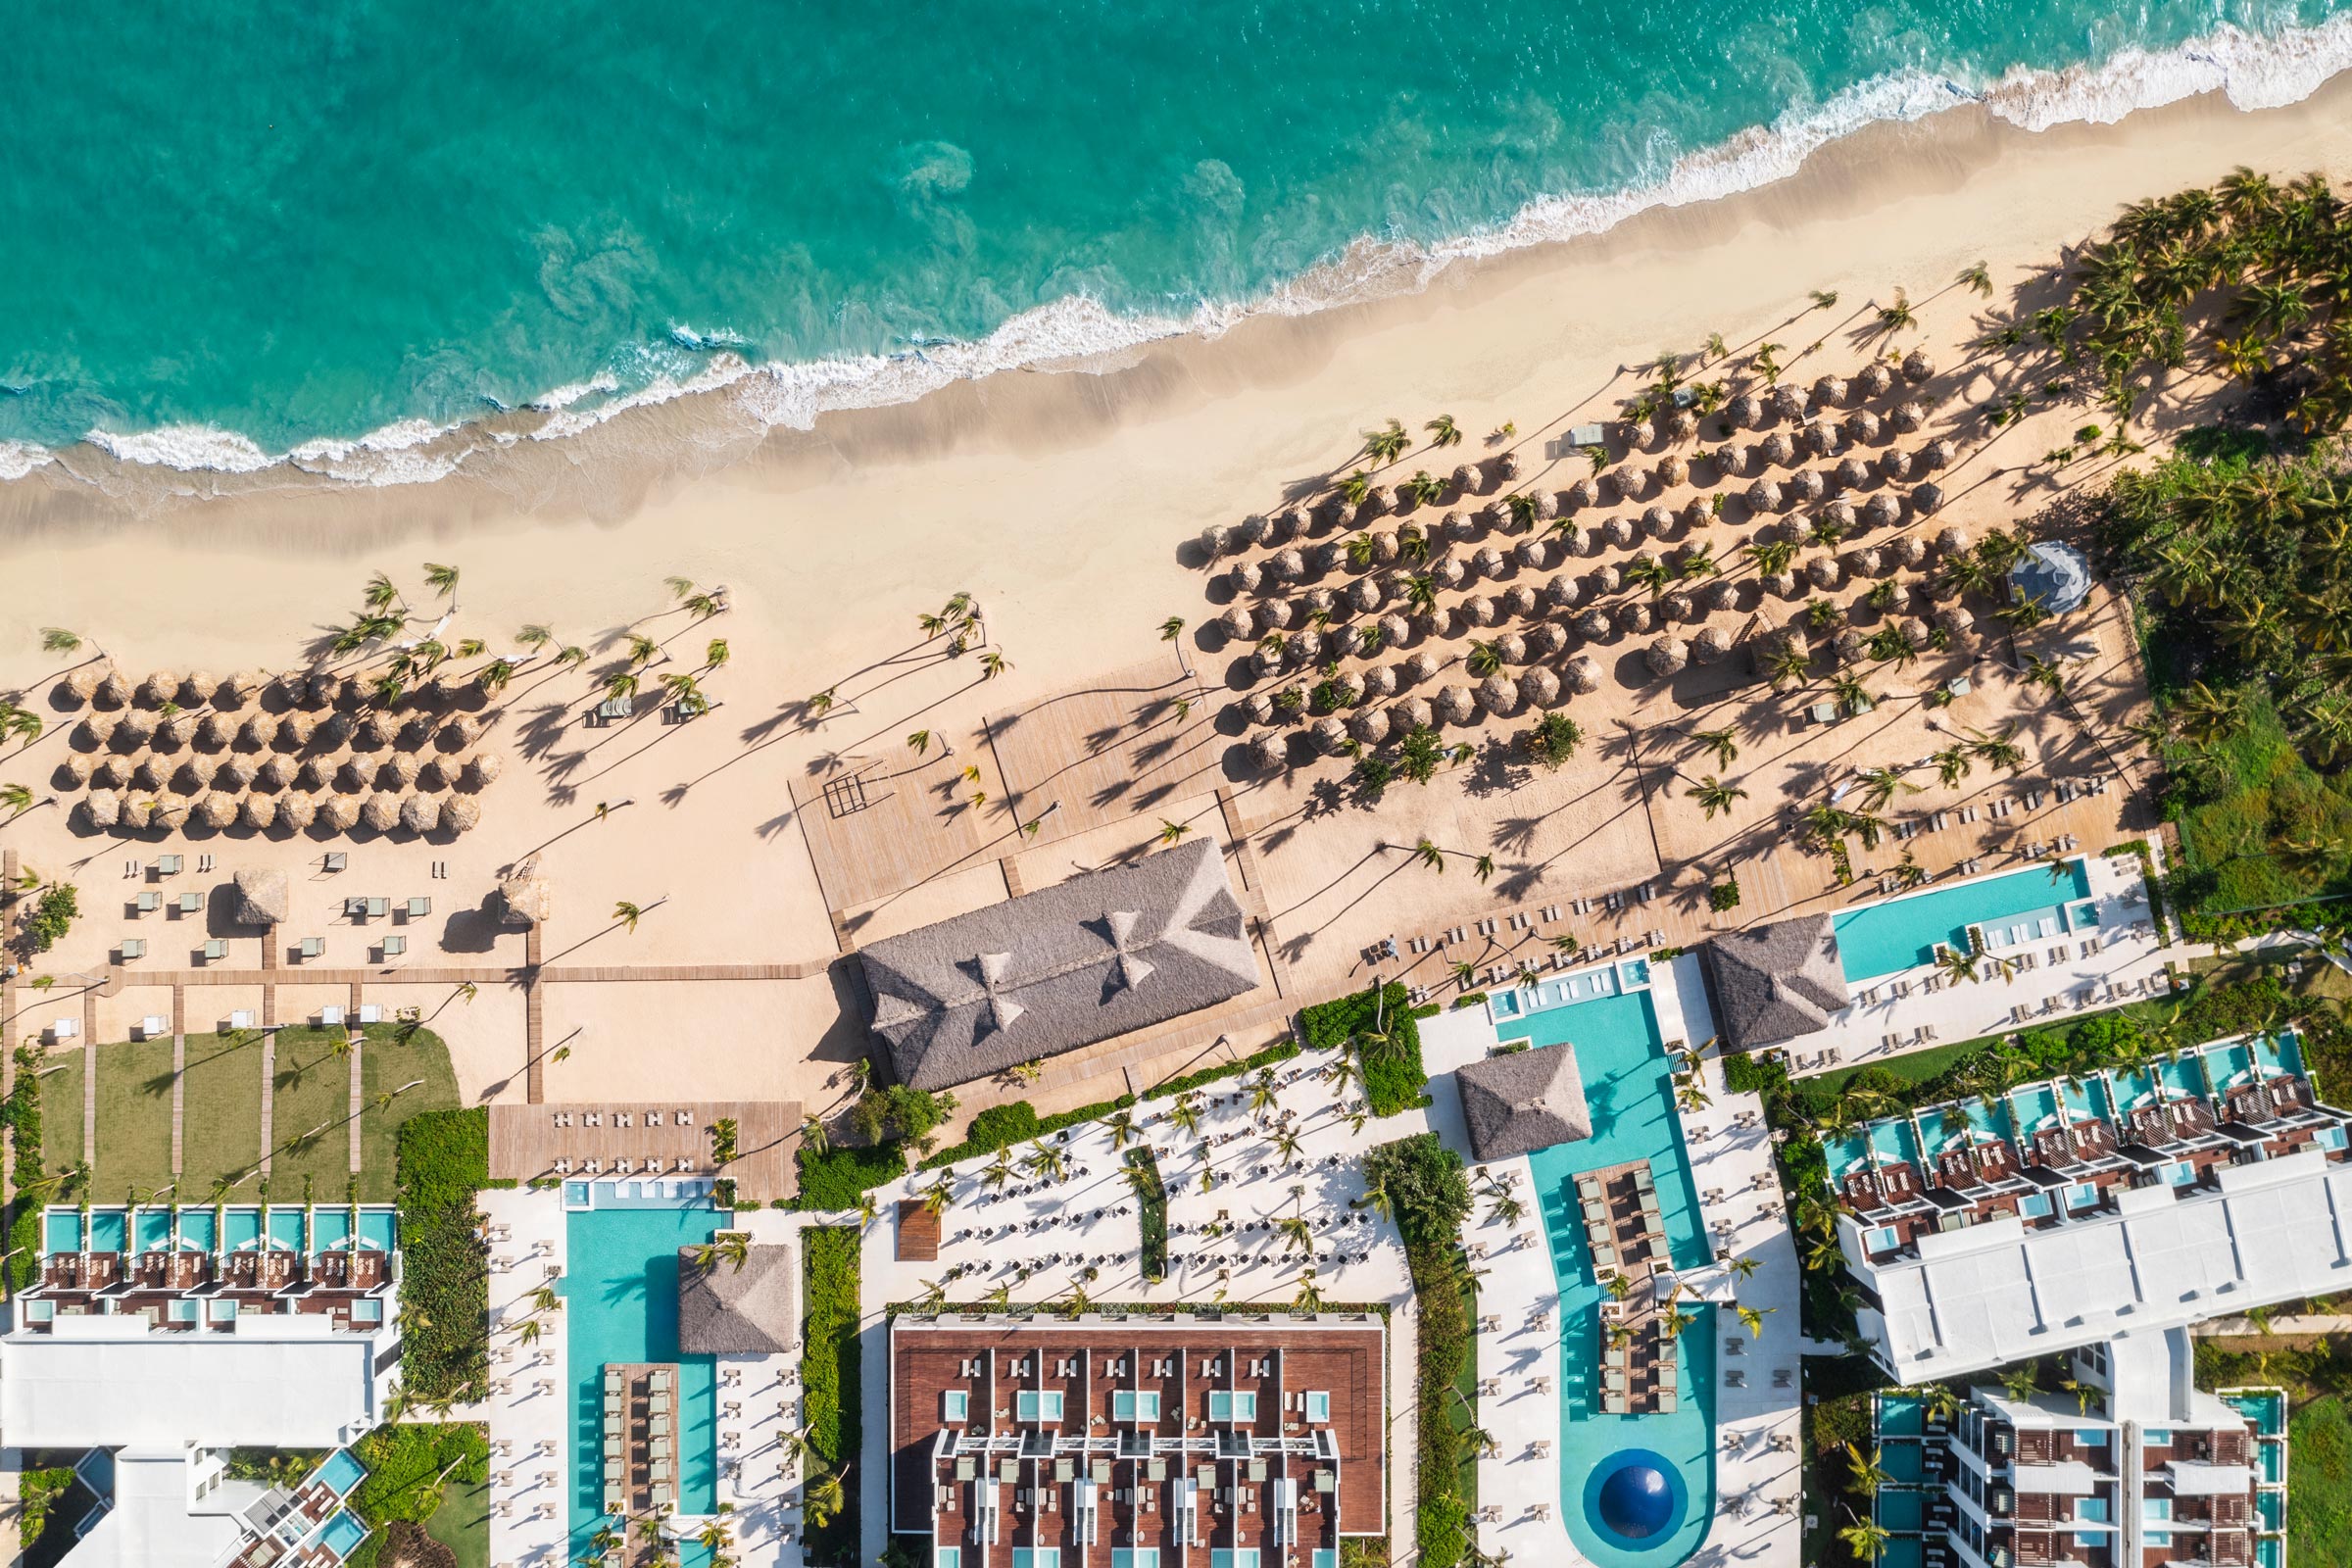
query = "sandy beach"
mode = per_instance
[{"x": 1067, "y": 505}]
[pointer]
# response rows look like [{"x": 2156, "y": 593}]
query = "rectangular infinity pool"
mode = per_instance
[
  {"x": 620, "y": 1297},
  {"x": 1898, "y": 934}
]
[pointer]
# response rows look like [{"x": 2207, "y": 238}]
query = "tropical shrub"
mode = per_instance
[{"x": 443, "y": 1161}]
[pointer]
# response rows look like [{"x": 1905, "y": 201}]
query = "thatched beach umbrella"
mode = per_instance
[
  {"x": 138, "y": 812},
  {"x": 111, "y": 773},
  {"x": 1581, "y": 496},
  {"x": 1582, "y": 674},
  {"x": 1239, "y": 622},
  {"x": 1721, "y": 594},
  {"x": 1875, "y": 380},
  {"x": 1507, "y": 464},
  {"x": 339, "y": 812},
  {"x": 1450, "y": 572},
  {"x": 1848, "y": 646},
  {"x": 1248, "y": 578},
  {"x": 356, "y": 776},
  {"x": 1807, "y": 485},
  {"x": 1763, "y": 496},
  {"x": 1478, "y": 610},
  {"x": 1381, "y": 682},
  {"x": 1511, "y": 648},
  {"x": 1819, "y": 438},
  {"x": 1637, "y": 616},
  {"x": 235, "y": 773},
  {"x": 1785, "y": 584},
  {"x": 1657, "y": 522},
  {"x": 216, "y": 732},
  {"x": 149, "y": 774},
  {"x": 92, "y": 733},
  {"x": 1926, "y": 498},
  {"x": 420, "y": 813},
  {"x": 1270, "y": 751},
  {"x": 1840, "y": 514},
  {"x": 1414, "y": 712},
  {"x": 1829, "y": 391},
  {"x": 133, "y": 731},
  {"x": 1489, "y": 562},
  {"x": 1421, "y": 665},
  {"x": 161, "y": 687},
  {"x": 1896, "y": 465},
  {"x": 177, "y": 733},
  {"x": 218, "y": 810},
  {"x": 1369, "y": 725},
  {"x": 1367, "y": 594},
  {"x": 1287, "y": 566},
  {"x": 1562, "y": 591},
  {"x": 298, "y": 812},
  {"x": 1681, "y": 425},
  {"x": 1215, "y": 540},
  {"x": 1671, "y": 470},
  {"x": 1330, "y": 735},
  {"x": 82, "y": 682},
  {"x": 75, "y": 768},
  {"x": 1958, "y": 621},
  {"x": 257, "y": 813},
  {"x": 1546, "y": 638},
  {"x": 1350, "y": 684},
  {"x": 314, "y": 773},
  {"x": 1862, "y": 426},
  {"x": 1699, "y": 511},
  {"x": 198, "y": 688},
  {"x": 1260, "y": 708},
  {"x": 1621, "y": 531},
  {"x": 102, "y": 808},
  {"x": 256, "y": 732},
  {"x": 1907, "y": 417},
  {"x": 1675, "y": 606},
  {"x": 1668, "y": 657},
  {"x": 1320, "y": 601},
  {"x": 1866, "y": 562},
  {"x": 1914, "y": 631},
  {"x": 1778, "y": 450},
  {"x": 1286, "y": 526},
  {"x": 399, "y": 770},
  {"x": 294, "y": 731},
  {"x": 1912, "y": 550},
  {"x": 1254, "y": 529},
  {"x": 1498, "y": 693},
  {"x": 381, "y": 813},
  {"x": 199, "y": 771},
  {"x": 1456, "y": 704},
  {"x": 170, "y": 814},
  {"x": 1539, "y": 687},
  {"x": 114, "y": 689},
  {"x": 1852, "y": 473},
  {"x": 482, "y": 770},
  {"x": 1594, "y": 623},
  {"x": 1825, "y": 572},
  {"x": 1788, "y": 401},
  {"x": 1275, "y": 615},
  {"x": 1308, "y": 646},
  {"x": 1919, "y": 366},
  {"x": 1627, "y": 480},
  {"x": 242, "y": 689},
  {"x": 1940, "y": 453},
  {"x": 1379, "y": 502},
  {"x": 1394, "y": 630},
  {"x": 1606, "y": 578},
  {"x": 1456, "y": 526},
  {"x": 1743, "y": 413},
  {"x": 1711, "y": 644},
  {"x": 1534, "y": 553},
  {"x": 1883, "y": 511}
]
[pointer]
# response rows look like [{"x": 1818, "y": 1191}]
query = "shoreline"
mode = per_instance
[{"x": 742, "y": 400}]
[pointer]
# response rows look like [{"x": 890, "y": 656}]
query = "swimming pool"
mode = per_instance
[
  {"x": 1896, "y": 933},
  {"x": 240, "y": 1228},
  {"x": 152, "y": 1230},
  {"x": 110, "y": 1229},
  {"x": 341, "y": 1472},
  {"x": 1629, "y": 1094},
  {"x": 343, "y": 1534},
  {"x": 61, "y": 1230},
  {"x": 288, "y": 1228},
  {"x": 620, "y": 1301},
  {"x": 379, "y": 1229},
  {"x": 330, "y": 1229},
  {"x": 1569, "y": 990},
  {"x": 196, "y": 1231}
]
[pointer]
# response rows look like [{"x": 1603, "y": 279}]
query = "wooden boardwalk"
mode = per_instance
[
  {"x": 1106, "y": 751},
  {"x": 539, "y": 1141}
]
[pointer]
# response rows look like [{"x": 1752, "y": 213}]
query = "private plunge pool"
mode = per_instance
[
  {"x": 2020, "y": 907},
  {"x": 1635, "y": 1491}
]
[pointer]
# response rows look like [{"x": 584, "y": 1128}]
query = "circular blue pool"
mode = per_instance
[{"x": 1634, "y": 1498}]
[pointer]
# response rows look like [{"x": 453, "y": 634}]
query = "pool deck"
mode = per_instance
[
  {"x": 528, "y": 1411},
  {"x": 1520, "y": 1289},
  {"x": 2067, "y": 981}
]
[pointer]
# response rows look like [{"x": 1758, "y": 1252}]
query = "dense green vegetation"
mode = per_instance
[
  {"x": 416, "y": 1471},
  {"x": 1152, "y": 1210},
  {"x": 1383, "y": 1031},
  {"x": 1166, "y": 1088},
  {"x": 444, "y": 1161},
  {"x": 831, "y": 1371},
  {"x": 836, "y": 1178},
  {"x": 1421, "y": 1183},
  {"x": 23, "y": 1115},
  {"x": 37, "y": 1490}
]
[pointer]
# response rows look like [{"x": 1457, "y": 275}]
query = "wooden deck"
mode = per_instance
[
  {"x": 535, "y": 1141},
  {"x": 917, "y": 1233},
  {"x": 878, "y": 825},
  {"x": 1110, "y": 750}
]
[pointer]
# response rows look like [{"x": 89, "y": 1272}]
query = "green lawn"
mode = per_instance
[
  {"x": 134, "y": 1120},
  {"x": 386, "y": 1065},
  {"x": 2318, "y": 1486},
  {"x": 311, "y": 1089},
  {"x": 221, "y": 1116},
  {"x": 463, "y": 1521},
  {"x": 61, "y": 1113},
  {"x": 2268, "y": 796}
]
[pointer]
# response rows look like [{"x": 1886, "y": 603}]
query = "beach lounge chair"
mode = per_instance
[
  {"x": 335, "y": 860},
  {"x": 133, "y": 948},
  {"x": 1613, "y": 1379},
  {"x": 191, "y": 903},
  {"x": 313, "y": 947},
  {"x": 215, "y": 949},
  {"x": 418, "y": 908},
  {"x": 394, "y": 947},
  {"x": 1666, "y": 1402},
  {"x": 148, "y": 902},
  {"x": 1615, "y": 1403},
  {"x": 169, "y": 864}
]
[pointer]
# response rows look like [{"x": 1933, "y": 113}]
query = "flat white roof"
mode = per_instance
[
  {"x": 149, "y": 1525},
  {"x": 1995, "y": 1293},
  {"x": 81, "y": 1388}
]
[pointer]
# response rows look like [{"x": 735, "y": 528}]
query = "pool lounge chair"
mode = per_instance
[
  {"x": 1666, "y": 1402},
  {"x": 1615, "y": 1403}
]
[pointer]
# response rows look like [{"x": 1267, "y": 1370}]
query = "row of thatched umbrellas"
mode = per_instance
[
  {"x": 1628, "y": 481},
  {"x": 313, "y": 774},
  {"x": 384, "y": 812},
  {"x": 135, "y": 730},
  {"x": 100, "y": 684}
]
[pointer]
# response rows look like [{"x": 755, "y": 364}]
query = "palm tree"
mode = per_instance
[
  {"x": 1714, "y": 796},
  {"x": 1897, "y": 318},
  {"x": 1951, "y": 764},
  {"x": 1262, "y": 1095},
  {"x": 58, "y": 640},
  {"x": 1955, "y": 965},
  {"x": 1724, "y": 743},
  {"x": 628, "y": 914},
  {"x": 1752, "y": 1318},
  {"x": 1978, "y": 279},
  {"x": 732, "y": 1248},
  {"x": 1121, "y": 1126},
  {"x": 1866, "y": 1539},
  {"x": 443, "y": 580},
  {"x": 16, "y": 798},
  {"x": 1443, "y": 432},
  {"x": 992, "y": 664},
  {"x": 1485, "y": 658},
  {"x": 1882, "y": 784},
  {"x": 714, "y": 652},
  {"x": 1184, "y": 1112},
  {"x": 820, "y": 1498},
  {"x": 1431, "y": 856},
  {"x": 1388, "y": 444},
  {"x": 2000, "y": 750},
  {"x": 1869, "y": 1470}
]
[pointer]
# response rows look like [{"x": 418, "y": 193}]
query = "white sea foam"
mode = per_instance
[{"x": 1082, "y": 333}]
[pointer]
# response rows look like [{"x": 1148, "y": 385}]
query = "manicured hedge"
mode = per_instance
[
  {"x": 831, "y": 1371},
  {"x": 404, "y": 1460},
  {"x": 1429, "y": 1193},
  {"x": 443, "y": 1163},
  {"x": 1393, "y": 1081},
  {"x": 22, "y": 1117},
  {"x": 1279, "y": 1050},
  {"x": 833, "y": 1180},
  {"x": 1152, "y": 1205}
]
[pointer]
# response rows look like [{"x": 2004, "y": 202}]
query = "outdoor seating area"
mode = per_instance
[
  {"x": 1627, "y": 1235},
  {"x": 640, "y": 1438}
]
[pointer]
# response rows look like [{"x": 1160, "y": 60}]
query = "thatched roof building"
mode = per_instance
[
  {"x": 1516, "y": 1103},
  {"x": 752, "y": 1311},
  {"x": 1776, "y": 982},
  {"x": 1103, "y": 953}
]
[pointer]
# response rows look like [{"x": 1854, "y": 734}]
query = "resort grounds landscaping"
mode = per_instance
[
  {"x": 1385, "y": 1032},
  {"x": 435, "y": 1476},
  {"x": 444, "y": 1162},
  {"x": 831, "y": 1371},
  {"x": 1423, "y": 1186},
  {"x": 2315, "y": 1371},
  {"x": 222, "y": 1095}
]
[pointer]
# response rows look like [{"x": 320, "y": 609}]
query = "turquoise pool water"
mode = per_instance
[
  {"x": 2272, "y": 1506},
  {"x": 1900, "y": 1415},
  {"x": 1629, "y": 1092},
  {"x": 61, "y": 1230},
  {"x": 2265, "y": 1409},
  {"x": 287, "y": 1228},
  {"x": 1902, "y": 1510},
  {"x": 621, "y": 1292},
  {"x": 110, "y": 1228},
  {"x": 343, "y": 1534},
  {"x": 1901, "y": 933},
  {"x": 154, "y": 1230},
  {"x": 196, "y": 1231},
  {"x": 341, "y": 1472},
  {"x": 330, "y": 1229},
  {"x": 1904, "y": 1461},
  {"x": 2181, "y": 1075},
  {"x": 240, "y": 1228},
  {"x": 1903, "y": 1554},
  {"x": 379, "y": 1228},
  {"x": 2036, "y": 1107},
  {"x": 2229, "y": 1066}
]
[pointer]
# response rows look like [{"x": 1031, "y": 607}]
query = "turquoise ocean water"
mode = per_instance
[{"x": 240, "y": 229}]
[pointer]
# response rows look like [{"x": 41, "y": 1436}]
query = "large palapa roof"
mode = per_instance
[
  {"x": 1524, "y": 1100},
  {"x": 726, "y": 1310},
  {"x": 1098, "y": 956},
  {"x": 1779, "y": 981},
  {"x": 2052, "y": 576}
]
